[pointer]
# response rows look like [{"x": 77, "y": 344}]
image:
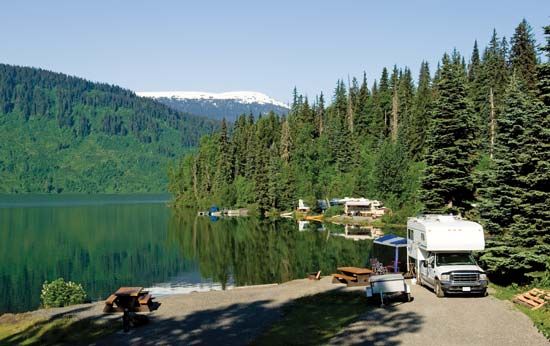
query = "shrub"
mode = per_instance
[{"x": 61, "y": 293}]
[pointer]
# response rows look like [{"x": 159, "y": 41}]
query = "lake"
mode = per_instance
[{"x": 108, "y": 241}]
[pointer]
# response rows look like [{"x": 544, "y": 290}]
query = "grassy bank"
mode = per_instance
[
  {"x": 313, "y": 320},
  {"x": 540, "y": 317},
  {"x": 26, "y": 329}
]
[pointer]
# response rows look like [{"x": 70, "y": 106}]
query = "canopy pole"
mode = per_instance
[{"x": 395, "y": 266}]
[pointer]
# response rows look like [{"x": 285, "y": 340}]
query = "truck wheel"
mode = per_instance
[
  {"x": 483, "y": 293},
  {"x": 439, "y": 290}
]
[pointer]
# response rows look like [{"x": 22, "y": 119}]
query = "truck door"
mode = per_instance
[{"x": 430, "y": 275}]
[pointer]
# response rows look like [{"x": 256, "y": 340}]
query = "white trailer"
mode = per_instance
[{"x": 439, "y": 252}]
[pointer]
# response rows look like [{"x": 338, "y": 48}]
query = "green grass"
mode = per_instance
[
  {"x": 27, "y": 330},
  {"x": 540, "y": 317},
  {"x": 315, "y": 319}
]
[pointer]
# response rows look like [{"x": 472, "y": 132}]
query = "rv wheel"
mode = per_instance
[{"x": 438, "y": 290}]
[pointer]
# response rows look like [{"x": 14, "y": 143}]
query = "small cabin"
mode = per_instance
[{"x": 363, "y": 207}]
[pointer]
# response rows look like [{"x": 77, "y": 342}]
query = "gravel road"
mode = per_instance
[{"x": 429, "y": 320}]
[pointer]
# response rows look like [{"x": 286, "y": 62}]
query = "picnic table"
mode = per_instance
[
  {"x": 129, "y": 301},
  {"x": 352, "y": 276},
  {"x": 132, "y": 299}
]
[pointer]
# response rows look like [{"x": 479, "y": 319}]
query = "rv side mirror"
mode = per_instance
[{"x": 425, "y": 264}]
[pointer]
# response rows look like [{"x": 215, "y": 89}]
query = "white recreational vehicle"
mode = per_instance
[{"x": 439, "y": 251}]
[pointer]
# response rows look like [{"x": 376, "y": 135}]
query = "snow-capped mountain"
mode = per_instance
[{"x": 227, "y": 105}]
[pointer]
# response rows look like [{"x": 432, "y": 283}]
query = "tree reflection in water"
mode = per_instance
[{"x": 253, "y": 251}]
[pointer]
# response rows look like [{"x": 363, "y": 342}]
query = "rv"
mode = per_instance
[{"x": 439, "y": 252}]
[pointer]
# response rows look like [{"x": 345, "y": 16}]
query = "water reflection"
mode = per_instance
[
  {"x": 108, "y": 245},
  {"x": 253, "y": 251}
]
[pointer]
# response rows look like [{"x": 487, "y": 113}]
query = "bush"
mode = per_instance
[{"x": 61, "y": 293}]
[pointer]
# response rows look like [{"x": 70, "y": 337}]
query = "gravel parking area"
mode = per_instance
[{"x": 428, "y": 320}]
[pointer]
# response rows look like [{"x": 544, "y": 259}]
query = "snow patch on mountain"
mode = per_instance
[{"x": 246, "y": 97}]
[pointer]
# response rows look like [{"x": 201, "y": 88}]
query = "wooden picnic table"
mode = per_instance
[
  {"x": 353, "y": 276},
  {"x": 355, "y": 270},
  {"x": 131, "y": 299}
]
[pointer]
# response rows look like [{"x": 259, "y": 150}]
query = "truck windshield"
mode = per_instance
[{"x": 454, "y": 259}]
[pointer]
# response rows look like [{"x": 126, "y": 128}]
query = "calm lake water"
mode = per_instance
[{"x": 108, "y": 241}]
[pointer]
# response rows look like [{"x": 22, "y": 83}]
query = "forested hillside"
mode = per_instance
[
  {"x": 471, "y": 138},
  {"x": 65, "y": 134}
]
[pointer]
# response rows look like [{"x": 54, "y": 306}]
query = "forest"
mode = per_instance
[
  {"x": 469, "y": 138},
  {"x": 65, "y": 134}
]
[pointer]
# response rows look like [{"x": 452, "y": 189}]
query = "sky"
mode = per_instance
[{"x": 265, "y": 46}]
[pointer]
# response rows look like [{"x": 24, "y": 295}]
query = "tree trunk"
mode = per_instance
[
  {"x": 491, "y": 124},
  {"x": 394, "y": 116}
]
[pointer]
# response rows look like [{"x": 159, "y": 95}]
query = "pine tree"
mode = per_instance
[
  {"x": 405, "y": 93},
  {"x": 451, "y": 145},
  {"x": 320, "y": 116},
  {"x": 390, "y": 172},
  {"x": 490, "y": 86},
  {"x": 514, "y": 204},
  {"x": 364, "y": 109},
  {"x": 523, "y": 55},
  {"x": 223, "y": 176},
  {"x": 286, "y": 142},
  {"x": 420, "y": 115},
  {"x": 384, "y": 98},
  {"x": 475, "y": 64}
]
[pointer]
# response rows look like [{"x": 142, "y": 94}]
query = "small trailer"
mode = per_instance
[{"x": 388, "y": 284}]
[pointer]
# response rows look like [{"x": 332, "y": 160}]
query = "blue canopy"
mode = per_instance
[{"x": 391, "y": 240}]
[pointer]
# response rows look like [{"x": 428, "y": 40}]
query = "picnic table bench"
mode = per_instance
[{"x": 352, "y": 276}]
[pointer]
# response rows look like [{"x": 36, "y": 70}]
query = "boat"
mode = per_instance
[{"x": 314, "y": 217}]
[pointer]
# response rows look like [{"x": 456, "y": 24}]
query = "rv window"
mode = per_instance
[
  {"x": 411, "y": 234},
  {"x": 422, "y": 236}
]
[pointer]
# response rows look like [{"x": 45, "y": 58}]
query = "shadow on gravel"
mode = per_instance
[
  {"x": 310, "y": 320},
  {"x": 232, "y": 325},
  {"x": 381, "y": 326}
]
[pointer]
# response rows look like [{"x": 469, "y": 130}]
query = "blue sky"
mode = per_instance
[{"x": 248, "y": 45}]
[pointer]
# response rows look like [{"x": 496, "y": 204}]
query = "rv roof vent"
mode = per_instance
[{"x": 446, "y": 218}]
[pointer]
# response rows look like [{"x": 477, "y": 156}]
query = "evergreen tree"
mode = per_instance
[
  {"x": 523, "y": 55},
  {"x": 514, "y": 204},
  {"x": 451, "y": 144},
  {"x": 420, "y": 115},
  {"x": 490, "y": 86},
  {"x": 405, "y": 93},
  {"x": 475, "y": 64},
  {"x": 364, "y": 109},
  {"x": 384, "y": 106}
]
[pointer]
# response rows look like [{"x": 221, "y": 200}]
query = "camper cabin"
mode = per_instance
[{"x": 363, "y": 207}]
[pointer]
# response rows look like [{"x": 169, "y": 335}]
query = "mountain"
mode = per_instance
[
  {"x": 228, "y": 105},
  {"x": 66, "y": 134}
]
